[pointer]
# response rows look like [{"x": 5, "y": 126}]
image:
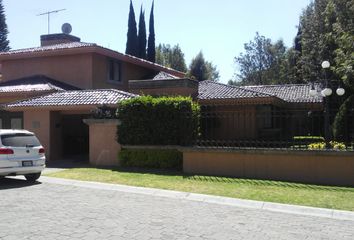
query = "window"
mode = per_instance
[
  {"x": 113, "y": 71},
  {"x": 0, "y": 123},
  {"x": 20, "y": 140}
]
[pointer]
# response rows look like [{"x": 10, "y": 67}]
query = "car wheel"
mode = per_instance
[{"x": 32, "y": 177}]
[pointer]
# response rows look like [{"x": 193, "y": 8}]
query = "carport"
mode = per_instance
[{"x": 58, "y": 121}]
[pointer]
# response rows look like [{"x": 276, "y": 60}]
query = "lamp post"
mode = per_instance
[{"x": 325, "y": 91}]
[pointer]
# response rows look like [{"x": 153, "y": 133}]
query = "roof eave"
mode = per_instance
[
  {"x": 88, "y": 50},
  {"x": 87, "y": 107},
  {"x": 237, "y": 101}
]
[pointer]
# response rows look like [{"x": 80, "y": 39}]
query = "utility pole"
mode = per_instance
[{"x": 48, "y": 14}]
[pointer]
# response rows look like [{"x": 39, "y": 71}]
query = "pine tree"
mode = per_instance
[
  {"x": 142, "y": 35},
  {"x": 132, "y": 38},
  {"x": 200, "y": 69},
  {"x": 171, "y": 57},
  {"x": 151, "y": 52},
  {"x": 4, "y": 43}
]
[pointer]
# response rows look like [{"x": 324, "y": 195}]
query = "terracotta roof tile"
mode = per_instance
[
  {"x": 294, "y": 93},
  {"x": 50, "y": 48},
  {"x": 163, "y": 76},
  {"x": 77, "y": 45},
  {"x": 213, "y": 90},
  {"x": 35, "y": 83},
  {"x": 75, "y": 97}
]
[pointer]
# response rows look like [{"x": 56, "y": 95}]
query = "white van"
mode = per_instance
[{"x": 21, "y": 154}]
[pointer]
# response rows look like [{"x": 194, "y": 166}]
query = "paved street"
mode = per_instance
[{"x": 54, "y": 211}]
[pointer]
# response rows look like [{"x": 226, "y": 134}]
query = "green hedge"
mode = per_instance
[
  {"x": 344, "y": 121},
  {"x": 158, "y": 121},
  {"x": 307, "y": 139},
  {"x": 143, "y": 158}
]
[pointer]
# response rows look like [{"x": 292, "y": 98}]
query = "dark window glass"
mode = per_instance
[
  {"x": 20, "y": 140},
  {"x": 114, "y": 71}
]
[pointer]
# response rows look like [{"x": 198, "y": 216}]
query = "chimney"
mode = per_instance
[{"x": 52, "y": 39}]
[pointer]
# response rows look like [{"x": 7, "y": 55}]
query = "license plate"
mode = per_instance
[{"x": 27, "y": 163}]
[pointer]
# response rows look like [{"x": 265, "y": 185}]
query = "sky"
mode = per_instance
[{"x": 219, "y": 28}]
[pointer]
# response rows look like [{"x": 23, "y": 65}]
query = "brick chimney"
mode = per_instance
[{"x": 58, "y": 38}]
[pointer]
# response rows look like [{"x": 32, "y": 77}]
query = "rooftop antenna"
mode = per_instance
[{"x": 48, "y": 14}]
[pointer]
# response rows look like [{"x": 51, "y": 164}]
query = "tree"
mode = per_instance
[
  {"x": 290, "y": 68},
  {"x": 343, "y": 121},
  {"x": 261, "y": 62},
  {"x": 317, "y": 40},
  {"x": 297, "y": 41},
  {"x": 171, "y": 57},
  {"x": 212, "y": 71},
  {"x": 132, "y": 38},
  {"x": 4, "y": 42},
  {"x": 343, "y": 12},
  {"x": 202, "y": 70},
  {"x": 151, "y": 52},
  {"x": 142, "y": 35}
]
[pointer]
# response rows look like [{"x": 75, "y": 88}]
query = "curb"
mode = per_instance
[{"x": 269, "y": 206}]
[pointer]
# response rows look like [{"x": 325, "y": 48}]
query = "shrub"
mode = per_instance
[
  {"x": 322, "y": 145},
  {"x": 318, "y": 145},
  {"x": 147, "y": 158},
  {"x": 344, "y": 121},
  {"x": 300, "y": 140},
  {"x": 158, "y": 121}
]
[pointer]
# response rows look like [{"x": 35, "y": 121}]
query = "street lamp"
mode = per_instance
[{"x": 325, "y": 91}]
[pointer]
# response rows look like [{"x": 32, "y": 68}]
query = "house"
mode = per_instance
[
  {"x": 242, "y": 112},
  {"x": 52, "y": 89}
]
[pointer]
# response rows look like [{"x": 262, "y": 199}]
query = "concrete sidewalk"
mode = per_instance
[{"x": 275, "y": 207}]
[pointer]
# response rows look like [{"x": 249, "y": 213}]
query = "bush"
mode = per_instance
[
  {"x": 300, "y": 140},
  {"x": 322, "y": 145},
  {"x": 158, "y": 121},
  {"x": 146, "y": 158},
  {"x": 344, "y": 121}
]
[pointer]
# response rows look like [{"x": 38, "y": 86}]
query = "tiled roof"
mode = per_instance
[
  {"x": 34, "y": 84},
  {"x": 75, "y": 97},
  {"x": 50, "y": 48},
  {"x": 294, "y": 93},
  {"x": 78, "y": 45},
  {"x": 213, "y": 90},
  {"x": 163, "y": 76}
]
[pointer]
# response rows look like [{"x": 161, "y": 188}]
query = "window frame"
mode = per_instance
[{"x": 113, "y": 69}]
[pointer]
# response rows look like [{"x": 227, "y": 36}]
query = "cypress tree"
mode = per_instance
[
  {"x": 297, "y": 41},
  {"x": 142, "y": 35},
  {"x": 4, "y": 43},
  {"x": 198, "y": 68},
  {"x": 151, "y": 52},
  {"x": 132, "y": 38}
]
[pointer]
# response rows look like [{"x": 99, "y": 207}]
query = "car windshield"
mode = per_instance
[{"x": 20, "y": 140}]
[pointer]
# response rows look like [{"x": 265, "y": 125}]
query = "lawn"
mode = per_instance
[{"x": 262, "y": 190}]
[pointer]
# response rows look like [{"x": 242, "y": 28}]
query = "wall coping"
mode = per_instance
[
  {"x": 92, "y": 121},
  {"x": 164, "y": 147},
  {"x": 245, "y": 150},
  {"x": 268, "y": 151}
]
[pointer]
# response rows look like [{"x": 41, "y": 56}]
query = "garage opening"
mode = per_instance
[{"x": 75, "y": 137}]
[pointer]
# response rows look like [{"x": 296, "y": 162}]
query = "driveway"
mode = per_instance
[{"x": 55, "y": 211}]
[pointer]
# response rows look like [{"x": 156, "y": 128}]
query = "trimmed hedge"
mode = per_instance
[
  {"x": 158, "y": 121},
  {"x": 147, "y": 158},
  {"x": 307, "y": 139}
]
